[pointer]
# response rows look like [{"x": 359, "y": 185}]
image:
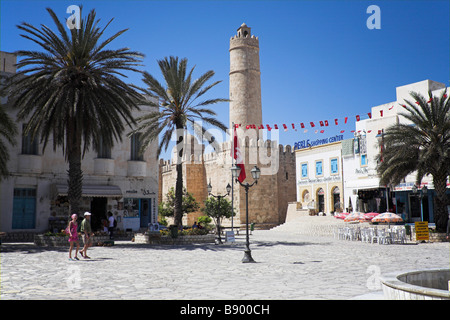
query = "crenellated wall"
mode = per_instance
[{"x": 268, "y": 199}]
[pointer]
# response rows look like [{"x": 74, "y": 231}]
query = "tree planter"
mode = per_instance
[
  {"x": 63, "y": 241},
  {"x": 156, "y": 238}
]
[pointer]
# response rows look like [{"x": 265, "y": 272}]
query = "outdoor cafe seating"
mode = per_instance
[{"x": 394, "y": 235}]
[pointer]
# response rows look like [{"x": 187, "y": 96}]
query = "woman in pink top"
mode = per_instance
[{"x": 73, "y": 236}]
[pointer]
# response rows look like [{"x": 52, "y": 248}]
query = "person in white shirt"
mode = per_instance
[{"x": 111, "y": 225}]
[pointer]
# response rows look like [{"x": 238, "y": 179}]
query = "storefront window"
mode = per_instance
[{"x": 131, "y": 208}]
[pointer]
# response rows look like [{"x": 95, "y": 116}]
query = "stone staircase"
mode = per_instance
[{"x": 300, "y": 222}]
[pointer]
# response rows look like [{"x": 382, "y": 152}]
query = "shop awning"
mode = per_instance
[{"x": 90, "y": 191}]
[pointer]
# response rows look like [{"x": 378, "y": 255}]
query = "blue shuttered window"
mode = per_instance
[
  {"x": 319, "y": 168},
  {"x": 334, "y": 166}
]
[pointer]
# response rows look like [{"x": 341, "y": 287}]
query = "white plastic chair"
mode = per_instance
[
  {"x": 365, "y": 235},
  {"x": 374, "y": 235},
  {"x": 402, "y": 235}
]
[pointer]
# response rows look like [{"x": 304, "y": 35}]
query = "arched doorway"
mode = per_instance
[
  {"x": 306, "y": 197},
  {"x": 321, "y": 199},
  {"x": 336, "y": 196}
]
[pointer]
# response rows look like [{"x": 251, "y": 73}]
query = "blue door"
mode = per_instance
[
  {"x": 145, "y": 211},
  {"x": 24, "y": 209}
]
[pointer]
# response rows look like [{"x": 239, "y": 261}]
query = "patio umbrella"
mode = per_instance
[
  {"x": 355, "y": 216},
  {"x": 370, "y": 215},
  {"x": 388, "y": 217}
]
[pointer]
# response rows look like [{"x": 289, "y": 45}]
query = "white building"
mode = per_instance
[
  {"x": 33, "y": 198},
  {"x": 362, "y": 190},
  {"x": 319, "y": 174}
]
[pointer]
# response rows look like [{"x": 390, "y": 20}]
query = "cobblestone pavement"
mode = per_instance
[{"x": 288, "y": 266}]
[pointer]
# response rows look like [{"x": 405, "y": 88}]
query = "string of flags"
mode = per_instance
[
  {"x": 302, "y": 125},
  {"x": 319, "y": 126}
]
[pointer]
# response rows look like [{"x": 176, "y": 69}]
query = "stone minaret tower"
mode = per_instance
[{"x": 245, "y": 78}]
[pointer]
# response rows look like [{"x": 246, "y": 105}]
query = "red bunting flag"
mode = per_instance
[
  {"x": 276, "y": 127},
  {"x": 381, "y": 113},
  {"x": 293, "y": 126},
  {"x": 322, "y": 131},
  {"x": 357, "y": 118},
  {"x": 269, "y": 128},
  {"x": 391, "y": 108},
  {"x": 336, "y": 121},
  {"x": 326, "y": 123},
  {"x": 370, "y": 115},
  {"x": 345, "y": 121},
  {"x": 285, "y": 127},
  {"x": 302, "y": 125},
  {"x": 312, "y": 124},
  {"x": 237, "y": 155},
  {"x": 321, "y": 123},
  {"x": 342, "y": 131}
]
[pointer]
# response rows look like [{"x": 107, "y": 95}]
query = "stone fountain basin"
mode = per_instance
[{"x": 417, "y": 285}]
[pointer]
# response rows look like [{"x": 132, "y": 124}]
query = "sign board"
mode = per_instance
[
  {"x": 229, "y": 236},
  {"x": 303, "y": 144},
  {"x": 422, "y": 232}
]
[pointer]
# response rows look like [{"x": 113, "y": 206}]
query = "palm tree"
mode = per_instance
[
  {"x": 421, "y": 146},
  {"x": 8, "y": 131},
  {"x": 72, "y": 91},
  {"x": 177, "y": 107}
]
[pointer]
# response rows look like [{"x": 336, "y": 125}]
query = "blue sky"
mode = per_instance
[{"x": 319, "y": 61}]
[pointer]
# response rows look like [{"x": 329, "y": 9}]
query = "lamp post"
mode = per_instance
[
  {"x": 256, "y": 173},
  {"x": 420, "y": 195},
  {"x": 219, "y": 197}
]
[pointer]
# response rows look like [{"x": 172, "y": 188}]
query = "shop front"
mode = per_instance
[
  {"x": 415, "y": 203},
  {"x": 375, "y": 200},
  {"x": 97, "y": 199},
  {"x": 137, "y": 213},
  {"x": 132, "y": 209}
]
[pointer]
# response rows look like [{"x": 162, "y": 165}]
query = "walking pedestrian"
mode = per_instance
[
  {"x": 86, "y": 230},
  {"x": 73, "y": 236},
  {"x": 111, "y": 225}
]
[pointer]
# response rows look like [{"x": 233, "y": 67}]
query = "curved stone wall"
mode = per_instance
[{"x": 417, "y": 285}]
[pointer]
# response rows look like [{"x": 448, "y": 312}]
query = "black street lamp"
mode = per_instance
[
  {"x": 256, "y": 173},
  {"x": 219, "y": 197},
  {"x": 421, "y": 195}
]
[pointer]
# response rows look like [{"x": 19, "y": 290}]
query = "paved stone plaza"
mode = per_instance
[{"x": 289, "y": 266}]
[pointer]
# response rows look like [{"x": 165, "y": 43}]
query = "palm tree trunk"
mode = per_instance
[
  {"x": 440, "y": 212},
  {"x": 75, "y": 181},
  {"x": 178, "y": 210}
]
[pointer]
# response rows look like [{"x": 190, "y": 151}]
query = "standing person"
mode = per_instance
[
  {"x": 73, "y": 236},
  {"x": 87, "y": 234},
  {"x": 111, "y": 225}
]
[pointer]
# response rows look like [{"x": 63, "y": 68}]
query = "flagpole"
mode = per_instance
[{"x": 232, "y": 180}]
